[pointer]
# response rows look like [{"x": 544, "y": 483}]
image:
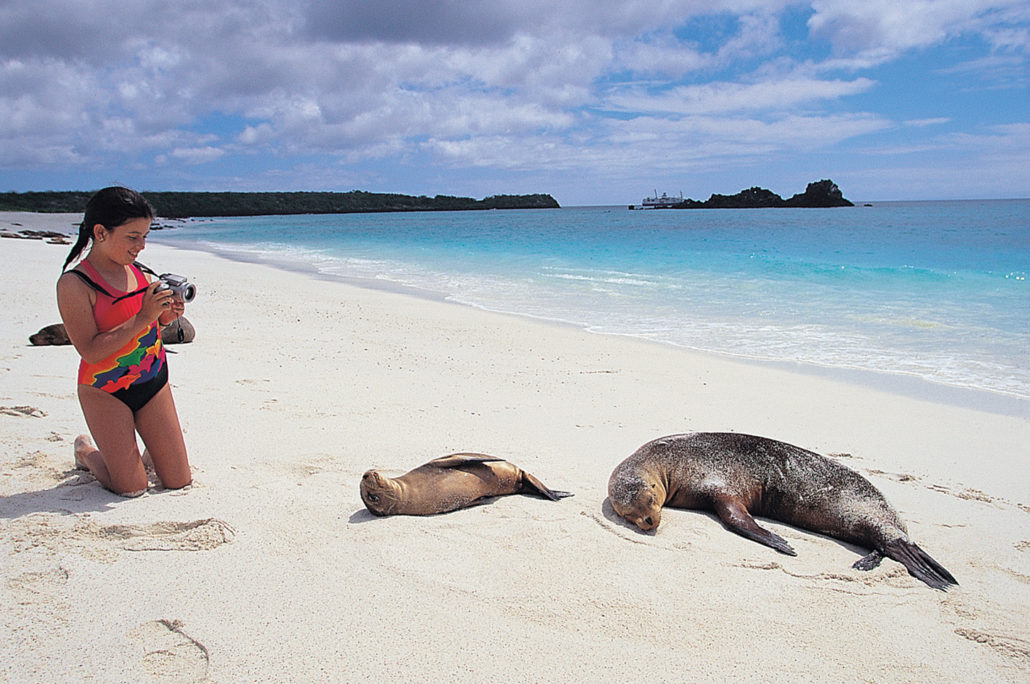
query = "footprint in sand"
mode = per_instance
[
  {"x": 197, "y": 535},
  {"x": 859, "y": 583},
  {"x": 1009, "y": 646},
  {"x": 29, "y": 411},
  {"x": 897, "y": 477},
  {"x": 60, "y": 533},
  {"x": 30, "y": 586},
  {"x": 967, "y": 493},
  {"x": 37, "y": 466},
  {"x": 169, "y": 654}
]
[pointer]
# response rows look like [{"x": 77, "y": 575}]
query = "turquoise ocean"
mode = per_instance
[{"x": 931, "y": 291}]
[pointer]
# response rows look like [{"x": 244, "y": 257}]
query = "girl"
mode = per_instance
[{"x": 113, "y": 314}]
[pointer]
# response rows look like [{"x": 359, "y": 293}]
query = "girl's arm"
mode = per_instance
[
  {"x": 170, "y": 314},
  {"x": 75, "y": 302}
]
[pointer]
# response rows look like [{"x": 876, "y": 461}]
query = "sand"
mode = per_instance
[{"x": 269, "y": 568}]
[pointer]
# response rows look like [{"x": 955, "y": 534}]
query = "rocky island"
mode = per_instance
[{"x": 820, "y": 194}]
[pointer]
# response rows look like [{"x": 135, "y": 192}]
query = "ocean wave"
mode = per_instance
[{"x": 835, "y": 295}]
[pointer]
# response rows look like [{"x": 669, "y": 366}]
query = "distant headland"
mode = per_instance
[
  {"x": 202, "y": 204},
  {"x": 819, "y": 194}
]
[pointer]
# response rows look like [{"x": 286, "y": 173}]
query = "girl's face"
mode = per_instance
[{"x": 122, "y": 244}]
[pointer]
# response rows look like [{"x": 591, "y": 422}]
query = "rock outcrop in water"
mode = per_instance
[{"x": 819, "y": 194}]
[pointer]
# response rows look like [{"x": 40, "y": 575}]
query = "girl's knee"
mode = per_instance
[
  {"x": 129, "y": 484},
  {"x": 129, "y": 487},
  {"x": 133, "y": 494},
  {"x": 178, "y": 483}
]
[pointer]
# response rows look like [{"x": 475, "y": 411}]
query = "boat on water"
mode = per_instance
[{"x": 663, "y": 202}]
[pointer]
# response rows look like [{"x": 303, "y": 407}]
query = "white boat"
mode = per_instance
[{"x": 663, "y": 202}]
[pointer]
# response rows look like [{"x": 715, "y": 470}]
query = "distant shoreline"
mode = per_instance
[{"x": 212, "y": 204}]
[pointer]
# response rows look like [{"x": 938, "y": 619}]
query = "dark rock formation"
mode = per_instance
[
  {"x": 819, "y": 194},
  {"x": 824, "y": 193},
  {"x": 752, "y": 198}
]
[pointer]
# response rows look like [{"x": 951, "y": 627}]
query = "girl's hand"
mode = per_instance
[
  {"x": 173, "y": 312},
  {"x": 156, "y": 303}
]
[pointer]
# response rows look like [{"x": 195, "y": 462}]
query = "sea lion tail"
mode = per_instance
[
  {"x": 919, "y": 564},
  {"x": 542, "y": 489}
]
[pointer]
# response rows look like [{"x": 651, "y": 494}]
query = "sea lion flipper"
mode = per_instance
[
  {"x": 736, "y": 516},
  {"x": 535, "y": 484},
  {"x": 458, "y": 460},
  {"x": 919, "y": 564},
  {"x": 868, "y": 562}
]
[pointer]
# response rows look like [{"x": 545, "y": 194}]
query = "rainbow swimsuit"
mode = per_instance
[{"x": 137, "y": 371}]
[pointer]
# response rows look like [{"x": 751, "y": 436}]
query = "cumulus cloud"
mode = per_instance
[
  {"x": 715, "y": 98},
  {"x": 877, "y": 30},
  {"x": 194, "y": 155},
  {"x": 476, "y": 84}
]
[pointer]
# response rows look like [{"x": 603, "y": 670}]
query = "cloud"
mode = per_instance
[
  {"x": 524, "y": 85},
  {"x": 440, "y": 22},
  {"x": 874, "y": 31},
  {"x": 722, "y": 97},
  {"x": 194, "y": 155},
  {"x": 921, "y": 123}
]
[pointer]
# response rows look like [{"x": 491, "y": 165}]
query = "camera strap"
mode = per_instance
[{"x": 92, "y": 283}]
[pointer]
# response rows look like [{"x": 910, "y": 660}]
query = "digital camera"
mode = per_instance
[{"x": 180, "y": 287}]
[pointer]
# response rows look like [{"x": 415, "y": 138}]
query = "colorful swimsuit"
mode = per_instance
[{"x": 137, "y": 371}]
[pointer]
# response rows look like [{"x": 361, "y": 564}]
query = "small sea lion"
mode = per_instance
[
  {"x": 50, "y": 335},
  {"x": 56, "y": 335},
  {"x": 447, "y": 484},
  {"x": 738, "y": 476}
]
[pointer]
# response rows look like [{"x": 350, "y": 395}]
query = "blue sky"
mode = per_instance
[{"x": 593, "y": 101}]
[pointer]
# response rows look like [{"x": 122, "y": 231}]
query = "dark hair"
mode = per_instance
[{"x": 109, "y": 207}]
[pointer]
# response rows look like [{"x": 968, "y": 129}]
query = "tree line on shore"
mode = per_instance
[{"x": 198, "y": 204}]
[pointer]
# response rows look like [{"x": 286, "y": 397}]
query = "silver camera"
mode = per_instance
[{"x": 180, "y": 287}]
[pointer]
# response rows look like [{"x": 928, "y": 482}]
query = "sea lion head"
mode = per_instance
[
  {"x": 50, "y": 335},
  {"x": 637, "y": 500},
  {"x": 379, "y": 493}
]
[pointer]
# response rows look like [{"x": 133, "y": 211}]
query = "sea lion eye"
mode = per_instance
[{"x": 374, "y": 498}]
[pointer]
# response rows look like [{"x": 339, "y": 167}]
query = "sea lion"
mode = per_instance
[
  {"x": 56, "y": 335},
  {"x": 50, "y": 335},
  {"x": 740, "y": 475},
  {"x": 447, "y": 484}
]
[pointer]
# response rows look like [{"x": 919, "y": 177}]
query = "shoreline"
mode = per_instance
[
  {"x": 905, "y": 384},
  {"x": 270, "y": 568},
  {"x": 909, "y": 385}
]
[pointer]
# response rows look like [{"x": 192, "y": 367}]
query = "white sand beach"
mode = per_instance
[{"x": 269, "y": 568}]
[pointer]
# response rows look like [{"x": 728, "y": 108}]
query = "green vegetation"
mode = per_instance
[{"x": 192, "y": 204}]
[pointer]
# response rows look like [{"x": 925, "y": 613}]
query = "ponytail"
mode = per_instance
[
  {"x": 80, "y": 244},
  {"x": 110, "y": 207}
]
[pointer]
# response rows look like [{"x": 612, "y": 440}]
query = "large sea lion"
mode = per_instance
[
  {"x": 447, "y": 484},
  {"x": 738, "y": 476}
]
